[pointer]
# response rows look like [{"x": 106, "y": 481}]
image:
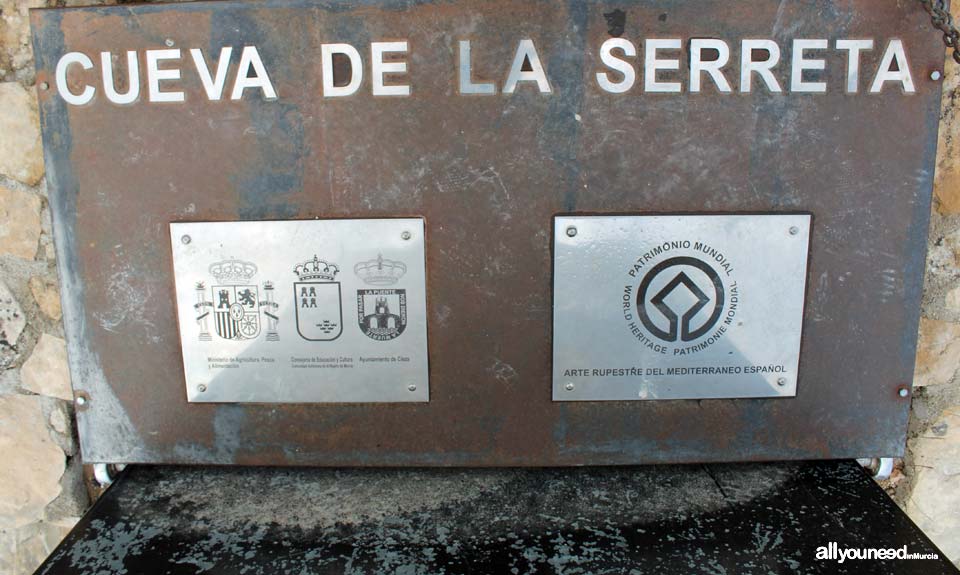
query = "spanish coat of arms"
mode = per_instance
[{"x": 235, "y": 303}]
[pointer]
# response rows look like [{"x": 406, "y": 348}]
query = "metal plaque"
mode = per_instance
[
  {"x": 330, "y": 311},
  {"x": 488, "y": 120},
  {"x": 678, "y": 306}
]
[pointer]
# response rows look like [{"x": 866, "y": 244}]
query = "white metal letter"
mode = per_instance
[
  {"x": 853, "y": 48},
  {"x": 713, "y": 67},
  {"x": 155, "y": 75},
  {"x": 356, "y": 70},
  {"x": 526, "y": 51},
  {"x": 379, "y": 68},
  {"x": 63, "y": 65},
  {"x": 466, "y": 83},
  {"x": 212, "y": 86},
  {"x": 250, "y": 58},
  {"x": 622, "y": 66},
  {"x": 652, "y": 65},
  {"x": 749, "y": 66},
  {"x": 800, "y": 63},
  {"x": 133, "y": 78},
  {"x": 894, "y": 53}
]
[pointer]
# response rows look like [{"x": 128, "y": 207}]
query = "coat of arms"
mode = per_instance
[
  {"x": 317, "y": 295},
  {"x": 235, "y": 303},
  {"x": 381, "y": 313}
]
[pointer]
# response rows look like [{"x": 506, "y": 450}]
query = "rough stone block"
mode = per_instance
[
  {"x": 947, "y": 180},
  {"x": 46, "y": 372},
  {"x": 935, "y": 499},
  {"x": 12, "y": 320},
  {"x": 33, "y": 464},
  {"x": 36, "y": 541},
  {"x": 21, "y": 153},
  {"x": 938, "y": 352},
  {"x": 19, "y": 220},
  {"x": 47, "y": 296}
]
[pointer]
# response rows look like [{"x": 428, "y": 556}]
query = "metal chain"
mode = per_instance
[{"x": 943, "y": 20}]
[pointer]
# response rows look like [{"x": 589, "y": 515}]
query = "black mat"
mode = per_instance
[{"x": 716, "y": 519}]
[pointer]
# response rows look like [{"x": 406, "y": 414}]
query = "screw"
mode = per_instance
[
  {"x": 569, "y": 387},
  {"x": 571, "y": 231},
  {"x": 168, "y": 42},
  {"x": 81, "y": 400},
  {"x": 406, "y": 236},
  {"x": 411, "y": 387},
  {"x": 185, "y": 239},
  {"x": 201, "y": 388},
  {"x": 794, "y": 230},
  {"x": 782, "y": 381},
  {"x": 904, "y": 392},
  {"x": 935, "y": 75},
  {"x": 44, "y": 86}
]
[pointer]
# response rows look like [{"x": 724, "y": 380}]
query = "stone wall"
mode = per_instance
[
  {"x": 41, "y": 490},
  {"x": 927, "y": 483},
  {"x": 41, "y": 486}
]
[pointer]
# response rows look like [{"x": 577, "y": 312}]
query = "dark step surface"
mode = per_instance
[{"x": 710, "y": 519}]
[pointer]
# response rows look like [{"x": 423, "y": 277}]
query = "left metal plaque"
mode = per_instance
[{"x": 312, "y": 311}]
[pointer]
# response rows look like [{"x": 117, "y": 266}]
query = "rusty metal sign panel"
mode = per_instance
[
  {"x": 487, "y": 120},
  {"x": 312, "y": 311},
  {"x": 677, "y": 307}
]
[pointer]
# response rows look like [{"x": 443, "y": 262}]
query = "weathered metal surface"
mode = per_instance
[
  {"x": 663, "y": 520},
  {"x": 678, "y": 307},
  {"x": 282, "y": 324},
  {"x": 488, "y": 174}
]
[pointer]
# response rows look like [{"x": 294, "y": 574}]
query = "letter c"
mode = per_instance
[{"x": 88, "y": 91}]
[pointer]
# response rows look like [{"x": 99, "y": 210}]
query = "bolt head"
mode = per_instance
[
  {"x": 411, "y": 387},
  {"x": 44, "y": 86},
  {"x": 794, "y": 230},
  {"x": 936, "y": 75},
  {"x": 81, "y": 400},
  {"x": 201, "y": 388},
  {"x": 168, "y": 42},
  {"x": 571, "y": 231},
  {"x": 903, "y": 392},
  {"x": 406, "y": 235},
  {"x": 782, "y": 381},
  {"x": 569, "y": 387},
  {"x": 185, "y": 239}
]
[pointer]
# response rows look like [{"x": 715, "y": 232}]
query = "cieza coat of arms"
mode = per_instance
[
  {"x": 318, "y": 307},
  {"x": 382, "y": 313},
  {"x": 235, "y": 303}
]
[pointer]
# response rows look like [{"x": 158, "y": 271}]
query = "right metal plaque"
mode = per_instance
[{"x": 678, "y": 306}]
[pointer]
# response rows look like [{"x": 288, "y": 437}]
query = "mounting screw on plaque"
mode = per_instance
[
  {"x": 406, "y": 235},
  {"x": 782, "y": 381},
  {"x": 571, "y": 231},
  {"x": 185, "y": 239},
  {"x": 411, "y": 387},
  {"x": 903, "y": 392},
  {"x": 794, "y": 230},
  {"x": 569, "y": 387},
  {"x": 201, "y": 388}
]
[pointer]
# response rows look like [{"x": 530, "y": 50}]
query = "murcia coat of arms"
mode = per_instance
[{"x": 317, "y": 295}]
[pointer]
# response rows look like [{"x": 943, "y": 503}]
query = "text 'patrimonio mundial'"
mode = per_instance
[{"x": 655, "y": 66}]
